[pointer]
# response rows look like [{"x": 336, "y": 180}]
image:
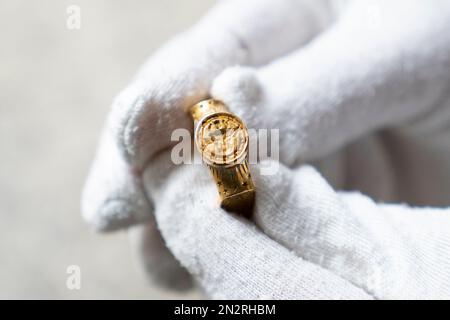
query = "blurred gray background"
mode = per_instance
[{"x": 56, "y": 88}]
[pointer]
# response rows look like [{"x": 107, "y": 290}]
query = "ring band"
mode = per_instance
[{"x": 222, "y": 140}]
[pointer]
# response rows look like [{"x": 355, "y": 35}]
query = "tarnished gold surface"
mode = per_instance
[{"x": 222, "y": 140}]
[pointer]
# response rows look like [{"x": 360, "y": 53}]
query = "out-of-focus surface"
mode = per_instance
[{"x": 56, "y": 88}]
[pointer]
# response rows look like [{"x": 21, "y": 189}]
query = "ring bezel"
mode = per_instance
[{"x": 229, "y": 162}]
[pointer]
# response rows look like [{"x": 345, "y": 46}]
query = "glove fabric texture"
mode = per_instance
[{"x": 359, "y": 90}]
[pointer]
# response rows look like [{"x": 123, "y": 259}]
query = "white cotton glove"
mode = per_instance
[
  {"x": 178, "y": 75},
  {"x": 327, "y": 76},
  {"x": 310, "y": 242}
]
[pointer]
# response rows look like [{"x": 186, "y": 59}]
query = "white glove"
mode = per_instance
[
  {"x": 352, "y": 79},
  {"x": 311, "y": 242}
]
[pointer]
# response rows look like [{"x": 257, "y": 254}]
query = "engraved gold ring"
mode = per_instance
[{"x": 223, "y": 141}]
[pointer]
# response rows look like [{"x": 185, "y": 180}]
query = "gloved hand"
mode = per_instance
[
  {"x": 325, "y": 75},
  {"x": 310, "y": 242}
]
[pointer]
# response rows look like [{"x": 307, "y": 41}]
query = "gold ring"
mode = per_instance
[{"x": 223, "y": 141}]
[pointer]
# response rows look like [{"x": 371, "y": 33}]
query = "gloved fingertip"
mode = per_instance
[
  {"x": 237, "y": 85},
  {"x": 126, "y": 108},
  {"x": 112, "y": 196}
]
